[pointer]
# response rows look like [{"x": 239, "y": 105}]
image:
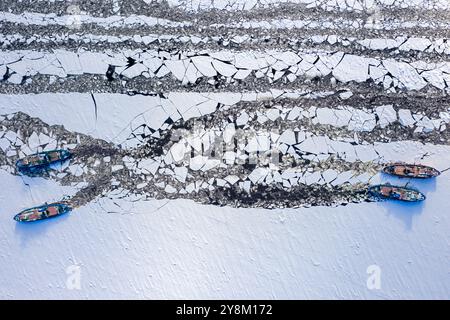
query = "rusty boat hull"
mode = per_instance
[
  {"x": 387, "y": 191},
  {"x": 42, "y": 212},
  {"x": 411, "y": 171}
]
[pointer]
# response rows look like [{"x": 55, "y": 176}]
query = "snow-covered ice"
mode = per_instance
[{"x": 223, "y": 149}]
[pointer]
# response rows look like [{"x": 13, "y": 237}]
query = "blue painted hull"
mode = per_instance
[
  {"x": 39, "y": 162},
  {"x": 45, "y": 211},
  {"x": 386, "y": 191}
]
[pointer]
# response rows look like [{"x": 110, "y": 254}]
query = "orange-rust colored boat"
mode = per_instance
[{"x": 411, "y": 170}]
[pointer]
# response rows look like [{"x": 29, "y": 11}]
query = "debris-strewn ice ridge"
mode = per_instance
[
  {"x": 169, "y": 148},
  {"x": 189, "y": 67},
  {"x": 357, "y": 5},
  {"x": 403, "y": 44}
]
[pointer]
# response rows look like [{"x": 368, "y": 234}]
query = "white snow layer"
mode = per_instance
[{"x": 188, "y": 250}]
